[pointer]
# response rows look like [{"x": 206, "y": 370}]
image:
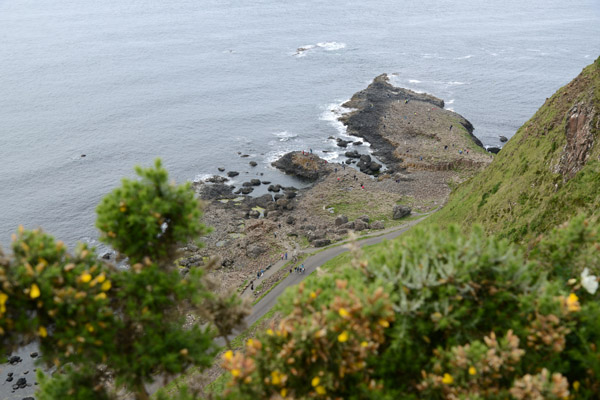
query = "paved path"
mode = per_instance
[{"x": 312, "y": 263}]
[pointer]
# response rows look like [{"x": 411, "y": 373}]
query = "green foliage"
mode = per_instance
[
  {"x": 102, "y": 326},
  {"x": 533, "y": 197},
  {"x": 148, "y": 217},
  {"x": 473, "y": 319}
]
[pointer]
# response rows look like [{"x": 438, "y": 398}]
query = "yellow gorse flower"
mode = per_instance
[
  {"x": 42, "y": 332},
  {"x": 85, "y": 277},
  {"x": 320, "y": 390},
  {"x": 315, "y": 381},
  {"x": 573, "y": 303},
  {"x": 228, "y": 355},
  {"x": 275, "y": 377},
  {"x": 343, "y": 312},
  {"x": 447, "y": 379},
  {"x": 472, "y": 370},
  {"x": 343, "y": 337},
  {"x": 34, "y": 292},
  {"x": 106, "y": 286},
  {"x": 384, "y": 323},
  {"x": 283, "y": 392}
]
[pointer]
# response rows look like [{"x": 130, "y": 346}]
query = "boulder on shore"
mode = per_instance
[
  {"x": 401, "y": 211},
  {"x": 341, "y": 220},
  {"x": 302, "y": 164},
  {"x": 321, "y": 242}
]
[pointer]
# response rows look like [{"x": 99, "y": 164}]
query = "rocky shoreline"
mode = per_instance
[{"x": 424, "y": 149}]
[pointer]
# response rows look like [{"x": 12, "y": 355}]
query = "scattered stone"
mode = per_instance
[
  {"x": 255, "y": 250},
  {"x": 254, "y": 214},
  {"x": 106, "y": 256},
  {"x": 364, "y": 218},
  {"x": 221, "y": 169},
  {"x": 503, "y": 139},
  {"x": 290, "y": 220},
  {"x": 358, "y": 143},
  {"x": 377, "y": 225},
  {"x": 266, "y": 182},
  {"x": 343, "y": 143},
  {"x": 401, "y": 211},
  {"x": 246, "y": 190},
  {"x": 304, "y": 165},
  {"x": 360, "y": 225},
  {"x": 231, "y": 174},
  {"x": 253, "y": 163},
  {"x": 274, "y": 188},
  {"x": 494, "y": 150},
  {"x": 314, "y": 235},
  {"x": 321, "y": 242},
  {"x": 290, "y": 195},
  {"x": 341, "y": 220},
  {"x": 278, "y": 196},
  {"x": 216, "y": 179},
  {"x": 245, "y": 155},
  {"x": 255, "y": 182},
  {"x": 352, "y": 154}
]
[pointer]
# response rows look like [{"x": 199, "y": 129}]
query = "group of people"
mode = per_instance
[{"x": 299, "y": 269}]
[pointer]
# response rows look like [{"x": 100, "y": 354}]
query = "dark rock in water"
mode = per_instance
[
  {"x": 303, "y": 165},
  {"x": 341, "y": 220},
  {"x": 9, "y": 379},
  {"x": 373, "y": 166},
  {"x": 106, "y": 256},
  {"x": 247, "y": 184},
  {"x": 239, "y": 191},
  {"x": 231, "y": 174},
  {"x": 494, "y": 150},
  {"x": 290, "y": 188},
  {"x": 266, "y": 182},
  {"x": 255, "y": 182},
  {"x": 246, "y": 190},
  {"x": 343, "y": 143},
  {"x": 21, "y": 383},
  {"x": 290, "y": 195},
  {"x": 400, "y": 211},
  {"x": 221, "y": 169},
  {"x": 28, "y": 398},
  {"x": 216, "y": 179},
  {"x": 83, "y": 155},
  {"x": 14, "y": 360},
  {"x": 503, "y": 139},
  {"x": 331, "y": 138},
  {"x": 349, "y": 161},
  {"x": 274, "y": 188},
  {"x": 352, "y": 154},
  {"x": 245, "y": 155},
  {"x": 321, "y": 242},
  {"x": 253, "y": 163},
  {"x": 365, "y": 158},
  {"x": 358, "y": 143},
  {"x": 34, "y": 354},
  {"x": 278, "y": 196}
]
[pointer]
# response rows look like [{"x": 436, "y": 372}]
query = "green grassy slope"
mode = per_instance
[{"x": 521, "y": 193}]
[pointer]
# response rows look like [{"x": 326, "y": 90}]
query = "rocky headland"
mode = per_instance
[{"x": 424, "y": 150}]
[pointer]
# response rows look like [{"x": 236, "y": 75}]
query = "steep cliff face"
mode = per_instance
[{"x": 548, "y": 172}]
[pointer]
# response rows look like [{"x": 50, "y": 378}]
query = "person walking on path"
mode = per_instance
[
  {"x": 252, "y": 285},
  {"x": 286, "y": 255}
]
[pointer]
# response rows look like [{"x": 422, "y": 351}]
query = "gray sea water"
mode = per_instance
[{"x": 196, "y": 82}]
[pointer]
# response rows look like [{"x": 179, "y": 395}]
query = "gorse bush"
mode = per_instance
[
  {"x": 106, "y": 328},
  {"x": 473, "y": 318}
]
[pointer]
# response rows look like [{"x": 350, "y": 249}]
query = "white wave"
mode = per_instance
[
  {"x": 414, "y": 81},
  {"x": 451, "y": 101},
  {"x": 586, "y": 56},
  {"x": 201, "y": 177},
  {"x": 285, "y": 136},
  {"x": 332, "y": 113},
  {"x": 331, "y": 46},
  {"x": 455, "y": 83},
  {"x": 534, "y": 50},
  {"x": 450, "y": 109},
  {"x": 464, "y": 58},
  {"x": 301, "y": 51}
]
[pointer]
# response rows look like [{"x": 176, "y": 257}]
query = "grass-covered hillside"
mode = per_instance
[{"x": 547, "y": 173}]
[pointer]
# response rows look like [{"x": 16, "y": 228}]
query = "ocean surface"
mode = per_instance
[{"x": 196, "y": 82}]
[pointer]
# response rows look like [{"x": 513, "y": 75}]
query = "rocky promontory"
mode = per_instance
[{"x": 409, "y": 129}]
